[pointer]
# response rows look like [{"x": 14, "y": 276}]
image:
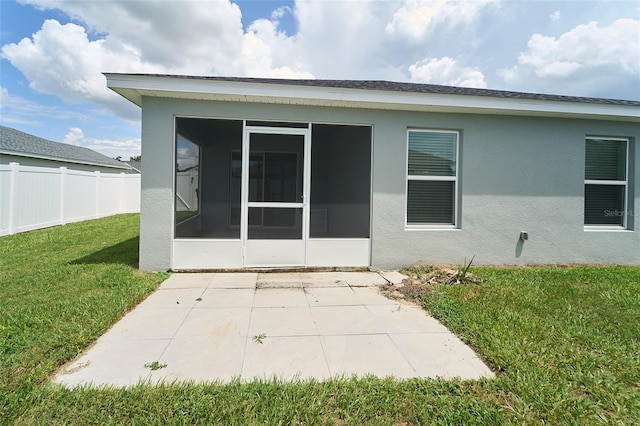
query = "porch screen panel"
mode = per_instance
[
  {"x": 340, "y": 181},
  {"x": 219, "y": 173}
]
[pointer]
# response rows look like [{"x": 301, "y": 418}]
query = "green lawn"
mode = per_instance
[{"x": 564, "y": 343}]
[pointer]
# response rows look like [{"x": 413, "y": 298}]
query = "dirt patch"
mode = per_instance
[{"x": 424, "y": 279}]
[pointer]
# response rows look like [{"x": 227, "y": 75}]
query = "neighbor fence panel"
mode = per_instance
[
  {"x": 39, "y": 197},
  {"x": 5, "y": 184},
  {"x": 79, "y": 196}
]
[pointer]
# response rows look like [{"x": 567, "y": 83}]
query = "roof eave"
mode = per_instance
[
  {"x": 135, "y": 87},
  {"x": 61, "y": 160}
]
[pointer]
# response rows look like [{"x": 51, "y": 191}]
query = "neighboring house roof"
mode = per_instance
[
  {"x": 135, "y": 165},
  {"x": 15, "y": 142},
  {"x": 373, "y": 94}
]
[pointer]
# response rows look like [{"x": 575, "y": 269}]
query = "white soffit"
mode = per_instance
[{"x": 135, "y": 87}]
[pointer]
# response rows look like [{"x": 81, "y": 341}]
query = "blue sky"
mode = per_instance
[{"x": 53, "y": 52}]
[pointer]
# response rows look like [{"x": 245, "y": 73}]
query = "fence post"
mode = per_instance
[
  {"x": 13, "y": 178},
  {"x": 63, "y": 184}
]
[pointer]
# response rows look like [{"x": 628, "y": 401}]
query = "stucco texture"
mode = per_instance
[{"x": 515, "y": 174}]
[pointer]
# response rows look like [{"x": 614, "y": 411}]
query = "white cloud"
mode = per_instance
[
  {"x": 176, "y": 37},
  {"x": 555, "y": 15},
  {"x": 448, "y": 72},
  {"x": 266, "y": 51},
  {"x": 346, "y": 39},
  {"x": 17, "y": 110},
  {"x": 74, "y": 137},
  {"x": 417, "y": 17},
  {"x": 605, "y": 57},
  {"x": 393, "y": 40},
  {"x": 60, "y": 60},
  {"x": 124, "y": 148}
]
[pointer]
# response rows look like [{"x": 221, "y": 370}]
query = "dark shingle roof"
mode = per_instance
[
  {"x": 20, "y": 143},
  {"x": 135, "y": 165},
  {"x": 393, "y": 86}
]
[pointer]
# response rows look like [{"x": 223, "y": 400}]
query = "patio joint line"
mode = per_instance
[
  {"x": 179, "y": 327},
  {"x": 246, "y": 340}
]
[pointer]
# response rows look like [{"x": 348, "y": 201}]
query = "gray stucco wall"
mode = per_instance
[{"x": 516, "y": 174}]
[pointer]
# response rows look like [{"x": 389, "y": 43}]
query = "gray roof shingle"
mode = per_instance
[
  {"x": 21, "y": 143},
  {"x": 383, "y": 85}
]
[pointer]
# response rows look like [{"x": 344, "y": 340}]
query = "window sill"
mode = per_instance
[
  {"x": 431, "y": 228},
  {"x": 596, "y": 228}
]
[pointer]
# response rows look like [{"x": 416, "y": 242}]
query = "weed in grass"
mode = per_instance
[
  {"x": 462, "y": 276},
  {"x": 259, "y": 338},
  {"x": 155, "y": 365}
]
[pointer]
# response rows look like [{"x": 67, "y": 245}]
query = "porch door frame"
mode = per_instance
[{"x": 281, "y": 252}]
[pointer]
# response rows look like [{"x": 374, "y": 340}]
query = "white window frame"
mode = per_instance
[
  {"x": 454, "y": 179},
  {"x": 625, "y": 183}
]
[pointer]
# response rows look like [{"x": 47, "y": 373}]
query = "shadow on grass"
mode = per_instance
[{"x": 123, "y": 253}]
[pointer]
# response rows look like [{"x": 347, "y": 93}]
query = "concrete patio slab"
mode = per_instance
[
  {"x": 226, "y": 298},
  {"x": 344, "y": 320},
  {"x": 331, "y": 296},
  {"x": 220, "y": 326},
  {"x": 364, "y": 279},
  {"x": 197, "y": 359},
  {"x": 394, "y": 277},
  {"x": 323, "y": 279},
  {"x": 286, "y": 357},
  {"x": 368, "y": 297},
  {"x": 187, "y": 281},
  {"x": 440, "y": 355},
  {"x": 144, "y": 323},
  {"x": 173, "y": 298},
  {"x": 233, "y": 280},
  {"x": 404, "y": 319},
  {"x": 116, "y": 363},
  {"x": 288, "y": 321},
  {"x": 213, "y": 324},
  {"x": 279, "y": 298},
  {"x": 344, "y": 356}
]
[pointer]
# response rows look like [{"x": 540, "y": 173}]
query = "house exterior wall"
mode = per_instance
[{"x": 515, "y": 174}]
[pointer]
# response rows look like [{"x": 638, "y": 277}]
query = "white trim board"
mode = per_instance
[{"x": 135, "y": 87}]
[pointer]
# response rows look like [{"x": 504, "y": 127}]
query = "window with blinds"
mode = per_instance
[
  {"x": 432, "y": 178},
  {"x": 605, "y": 183}
]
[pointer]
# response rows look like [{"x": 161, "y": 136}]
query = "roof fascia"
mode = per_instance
[
  {"x": 135, "y": 87},
  {"x": 60, "y": 160}
]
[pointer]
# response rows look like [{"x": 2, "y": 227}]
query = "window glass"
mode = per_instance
[
  {"x": 432, "y": 178},
  {"x": 432, "y": 154},
  {"x": 605, "y": 160},
  {"x": 431, "y": 202},
  {"x": 605, "y": 189},
  {"x": 604, "y": 205}
]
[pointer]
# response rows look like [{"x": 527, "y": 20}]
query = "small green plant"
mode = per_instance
[
  {"x": 259, "y": 338},
  {"x": 461, "y": 276},
  {"x": 155, "y": 365},
  {"x": 199, "y": 299}
]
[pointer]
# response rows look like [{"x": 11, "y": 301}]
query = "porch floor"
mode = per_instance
[{"x": 220, "y": 326}]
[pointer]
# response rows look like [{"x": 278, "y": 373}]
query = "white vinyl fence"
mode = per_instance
[
  {"x": 187, "y": 190},
  {"x": 39, "y": 197}
]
